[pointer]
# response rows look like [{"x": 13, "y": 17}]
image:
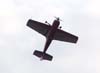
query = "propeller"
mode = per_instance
[{"x": 57, "y": 18}]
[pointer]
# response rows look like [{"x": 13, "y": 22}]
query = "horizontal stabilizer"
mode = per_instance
[{"x": 42, "y": 55}]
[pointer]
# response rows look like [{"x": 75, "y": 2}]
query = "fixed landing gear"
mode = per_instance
[
  {"x": 47, "y": 23},
  {"x": 60, "y": 27}
]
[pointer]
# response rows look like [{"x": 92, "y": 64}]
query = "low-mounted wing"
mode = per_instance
[
  {"x": 39, "y": 27},
  {"x": 65, "y": 36}
]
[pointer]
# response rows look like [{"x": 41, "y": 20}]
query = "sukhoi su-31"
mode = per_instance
[{"x": 51, "y": 32}]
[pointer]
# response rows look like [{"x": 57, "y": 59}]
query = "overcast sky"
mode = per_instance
[{"x": 17, "y": 41}]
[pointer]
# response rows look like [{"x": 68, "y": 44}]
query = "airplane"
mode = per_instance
[{"x": 51, "y": 32}]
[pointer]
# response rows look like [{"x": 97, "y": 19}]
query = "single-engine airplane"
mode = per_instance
[{"x": 51, "y": 32}]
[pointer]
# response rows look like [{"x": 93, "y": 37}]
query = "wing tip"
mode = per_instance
[
  {"x": 76, "y": 39},
  {"x": 28, "y": 22}
]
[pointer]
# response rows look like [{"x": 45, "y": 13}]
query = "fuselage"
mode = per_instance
[{"x": 50, "y": 34}]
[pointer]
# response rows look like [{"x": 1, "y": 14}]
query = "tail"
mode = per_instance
[{"x": 42, "y": 55}]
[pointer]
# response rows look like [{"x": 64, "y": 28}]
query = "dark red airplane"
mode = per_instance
[{"x": 51, "y": 32}]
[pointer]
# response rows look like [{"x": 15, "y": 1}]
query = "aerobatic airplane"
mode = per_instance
[{"x": 51, "y": 32}]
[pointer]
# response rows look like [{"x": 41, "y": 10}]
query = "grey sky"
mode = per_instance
[{"x": 17, "y": 41}]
